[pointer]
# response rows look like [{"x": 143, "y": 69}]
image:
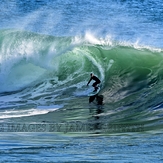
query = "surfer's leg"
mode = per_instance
[{"x": 95, "y": 86}]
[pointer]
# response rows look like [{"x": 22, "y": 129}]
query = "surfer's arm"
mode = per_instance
[{"x": 89, "y": 81}]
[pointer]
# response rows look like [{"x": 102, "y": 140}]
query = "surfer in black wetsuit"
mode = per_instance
[{"x": 97, "y": 81}]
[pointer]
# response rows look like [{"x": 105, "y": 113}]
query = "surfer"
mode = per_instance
[{"x": 97, "y": 81}]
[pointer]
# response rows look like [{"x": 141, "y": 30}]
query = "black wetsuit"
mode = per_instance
[{"x": 97, "y": 81}]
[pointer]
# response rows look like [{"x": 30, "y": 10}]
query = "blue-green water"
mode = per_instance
[{"x": 48, "y": 50}]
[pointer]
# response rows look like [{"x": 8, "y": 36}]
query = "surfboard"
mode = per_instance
[{"x": 94, "y": 93}]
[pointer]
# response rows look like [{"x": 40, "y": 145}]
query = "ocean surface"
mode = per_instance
[{"x": 48, "y": 48}]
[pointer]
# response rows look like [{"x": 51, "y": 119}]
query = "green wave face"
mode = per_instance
[
  {"x": 27, "y": 57},
  {"x": 66, "y": 57}
]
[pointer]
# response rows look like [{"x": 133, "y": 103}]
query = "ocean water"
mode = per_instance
[{"x": 48, "y": 48}]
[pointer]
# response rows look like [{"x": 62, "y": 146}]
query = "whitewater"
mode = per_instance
[{"x": 48, "y": 50}]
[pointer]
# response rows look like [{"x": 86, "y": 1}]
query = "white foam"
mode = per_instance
[
  {"x": 15, "y": 113},
  {"x": 95, "y": 62},
  {"x": 92, "y": 39},
  {"x": 110, "y": 64}
]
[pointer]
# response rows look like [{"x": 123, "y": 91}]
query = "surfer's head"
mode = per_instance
[{"x": 91, "y": 74}]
